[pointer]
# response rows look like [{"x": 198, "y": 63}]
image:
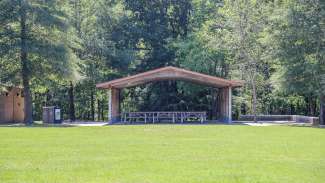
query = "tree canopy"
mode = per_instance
[{"x": 58, "y": 51}]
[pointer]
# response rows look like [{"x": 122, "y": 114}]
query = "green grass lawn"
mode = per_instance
[{"x": 162, "y": 154}]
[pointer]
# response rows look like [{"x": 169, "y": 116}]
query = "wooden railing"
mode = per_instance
[{"x": 155, "y": 117}]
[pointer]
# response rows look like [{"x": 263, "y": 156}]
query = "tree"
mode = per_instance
[
  {"x": 153, "y": 26},
  {"x": 300, "y": 50},
  {"x": 276, "y": 46},
  {"x": 244, "y": 28},
  {"x": 202, "y": 52},
  {"x": 72, "y": 114},
  {"x": 34, "y": 30}
]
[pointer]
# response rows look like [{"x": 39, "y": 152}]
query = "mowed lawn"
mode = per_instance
[{"x": 162, "y": 154}]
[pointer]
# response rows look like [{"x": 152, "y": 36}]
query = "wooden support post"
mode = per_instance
[
  {"x": 225, "y": 104},
  {"x": 113, "y": 105}
]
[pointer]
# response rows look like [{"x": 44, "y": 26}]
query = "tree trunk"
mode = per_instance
[
  {"x": 311, "y": 109},
  {"x": 98, "y": 110},
  {"x": 322, "y": 110},
  {"x": 28, "y": 107},
  {"x": 47, "y": 98},
  {"x": 254, "y": 99},
  {"x": 102, "y": 110},
  {"x": 310, "y": 106},
  {"x": 71, "y": 103},
  {"x": 92, "y": 105},
  {"x": 214, "y": 107}
]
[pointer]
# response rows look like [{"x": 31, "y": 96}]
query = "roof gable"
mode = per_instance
[{"x": 169, "y": 73}]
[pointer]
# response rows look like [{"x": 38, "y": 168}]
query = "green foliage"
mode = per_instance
[
  {"x": 296, "y": 43},
  {"x": 275, "y": 46},
  {"x": 47, "y": 41},
  {"x": 300, "y": 39}
]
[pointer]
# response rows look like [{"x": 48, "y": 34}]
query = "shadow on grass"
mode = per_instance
[{"x": 307, "y": 126}]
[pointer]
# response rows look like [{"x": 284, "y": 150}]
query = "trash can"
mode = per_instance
[{"x": 52, "y": 114}]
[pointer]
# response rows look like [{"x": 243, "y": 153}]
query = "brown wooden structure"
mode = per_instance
[
  {"x": 170, "y": 73},
  {"x": 12, "y": 105}
]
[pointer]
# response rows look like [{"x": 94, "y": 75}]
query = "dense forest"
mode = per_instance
[{"x": 57, "y": 50}]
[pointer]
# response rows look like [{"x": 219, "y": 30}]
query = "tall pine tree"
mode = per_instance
[{"x": 33, "y": 36}]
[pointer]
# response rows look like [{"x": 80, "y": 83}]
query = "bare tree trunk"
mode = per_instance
[
  {"x": 322, "y": 110},
  {"x": 98, "y": 110},
  {"x": 71, "y": 103},
  {"x": 92, "y": 105},
  {"x": 311, "y": 112},
  {"x": 28, "y": 107},
  {"x": 315, "y": 107},
  {"x": 102, "y": 110},
  {"x": 254, "y": 98},
  {"x": 47, "y": 98}
]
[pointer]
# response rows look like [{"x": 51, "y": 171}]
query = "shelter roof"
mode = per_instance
[{"x": 170, "y": 73}]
